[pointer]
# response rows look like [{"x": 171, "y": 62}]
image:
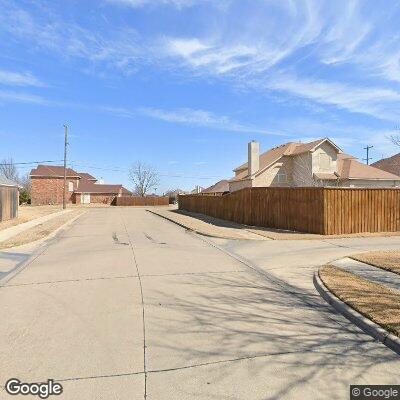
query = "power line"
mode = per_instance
[
  {"x": 31, "y": 162},
  {"x": 126, "y": 169},
  {"x": 111, "y": 168}
]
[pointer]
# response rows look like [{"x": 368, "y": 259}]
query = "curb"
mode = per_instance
[
  {"x": 194, "y": 230},
  {"x": 368, "y": 326},
  {"x": 44, "y": 244}
]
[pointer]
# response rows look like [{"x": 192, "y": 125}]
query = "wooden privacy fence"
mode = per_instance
[
  {"x": 8, "y": 202},
  {"x": 326, "y": 211},
  {"x": 141, "y": 201}
]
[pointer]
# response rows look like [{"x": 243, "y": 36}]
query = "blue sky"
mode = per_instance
[{"x": 183, "y": 85}]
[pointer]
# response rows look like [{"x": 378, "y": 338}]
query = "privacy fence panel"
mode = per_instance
[
  {"x": 8, "y": 202},
  {"x": 313, "y": 210},
  {"x": 361, "y": 210},
  {"x": 141, "y": 201}
]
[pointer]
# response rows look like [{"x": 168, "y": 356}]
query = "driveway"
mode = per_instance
[{"x": 124, "y": 304}]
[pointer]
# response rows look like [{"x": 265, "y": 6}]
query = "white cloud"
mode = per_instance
[
  {"x": 316, "y": 36},
  {"x": 17, "y": 97},
  {"x": 214, "y": 59},
  {"x": 250, "y": 45},
  {"x": 143, "y": 3},
  {"x": 373, "y": 101},
  {"x": 298, "y": 47},
  {"x": 19, "y": 79},
  {"x": 44, "y": 31},
  {"x": 203, "y": 118},
  {"x": 345, "y": 35}
]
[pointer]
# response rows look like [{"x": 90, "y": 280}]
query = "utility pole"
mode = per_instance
[
  {"x": 65, "y": 167},
  {"x": 368, "y": 157}
]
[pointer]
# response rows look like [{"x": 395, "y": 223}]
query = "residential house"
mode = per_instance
[
  {"x": 390, "y": 164},
  {"x": 174, "y": 194},
  {"x": 9, "y": 199},
  {"x": 221, "y": 186},
  {"x": 47, "y": 183},
  {"x": 318, "y": 163},
  {"x": 198, "y": 189}
]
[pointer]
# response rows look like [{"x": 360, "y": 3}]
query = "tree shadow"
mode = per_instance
[
  {"x": 258, "y": 315},
  {"x": 16, "y": 259}
]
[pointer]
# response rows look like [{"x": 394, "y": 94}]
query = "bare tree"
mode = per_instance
[
  {"x": 395, "y": 138},
  {"x": 144, "y": 177},
  {"x": 25, "y": 182},
  {"x": 9, "y": 170},
  {"x": 25, "y": 190}
]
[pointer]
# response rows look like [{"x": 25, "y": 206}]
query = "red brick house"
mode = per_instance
[{"x": 81, "y": 187}]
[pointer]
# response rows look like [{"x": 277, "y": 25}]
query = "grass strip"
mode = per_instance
[
  {"x": 376, "y": 302},
  {"x": 388, "y": 260},
  {"x": 40, "y": 231}
]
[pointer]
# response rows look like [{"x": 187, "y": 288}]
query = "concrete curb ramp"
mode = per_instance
[
  {"x": 42, "y": 244},
  {"x": 368, "y": 326}
]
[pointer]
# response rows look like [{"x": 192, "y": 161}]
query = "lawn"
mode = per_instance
[
  {"x": 376, "y": 302},
  {"x": 388, "y": 260},
  {"x": 27, "y": 213},
  {"x": 40, "y": 231}
]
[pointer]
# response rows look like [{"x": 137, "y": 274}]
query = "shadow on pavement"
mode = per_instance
[{"x": 246, "y": 315}]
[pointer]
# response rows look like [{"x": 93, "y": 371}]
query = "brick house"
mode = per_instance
[{"x": 47, "y": 183}]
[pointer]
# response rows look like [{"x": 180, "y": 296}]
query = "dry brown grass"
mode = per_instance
[
  {"x": 376, "y": 302},
  {"x": 40, "y": 231},
  {"x": 27, "y": 213},
  {"x": 388, "y": 260}
]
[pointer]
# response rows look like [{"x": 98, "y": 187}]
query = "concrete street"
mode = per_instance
[{"x": 124, "y": 304}]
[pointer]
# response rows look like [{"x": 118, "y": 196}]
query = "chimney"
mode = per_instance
[{"x": 254, "y": 158}]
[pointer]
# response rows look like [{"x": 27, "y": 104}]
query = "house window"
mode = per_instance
[
  {"x": 71, "y": 186},
  {"x": 324, "y": 162},
  {"x": 281, "y": 176}
]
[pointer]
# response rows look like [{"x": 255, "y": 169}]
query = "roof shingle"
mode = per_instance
[
  {"x": 54, "y": 171},
  {"x": 391, "y": 164},
  {"x": 350, "y": 168}
]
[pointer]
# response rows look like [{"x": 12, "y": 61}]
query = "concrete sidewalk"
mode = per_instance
[
  {"x": 208, "y": 226},
  {"x": 8, "y": 233},
  {"x": 369, "y": 272}
]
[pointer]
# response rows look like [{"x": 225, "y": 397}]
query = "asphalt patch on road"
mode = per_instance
[
  {"x": 116, "y": 240},
  {"x": 152, "y": 239}
]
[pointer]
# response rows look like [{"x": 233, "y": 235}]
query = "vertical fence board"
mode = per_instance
[
  {"x": 8, "y": 202},
  {"x": 314, "y": 210},
  {"x": 141, "y": 201}
]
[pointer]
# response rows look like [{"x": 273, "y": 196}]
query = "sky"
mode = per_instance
[{"x": 184, "y": 85}]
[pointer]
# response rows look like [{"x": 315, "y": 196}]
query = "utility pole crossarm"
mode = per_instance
[{"x": 368, "y": 157}]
